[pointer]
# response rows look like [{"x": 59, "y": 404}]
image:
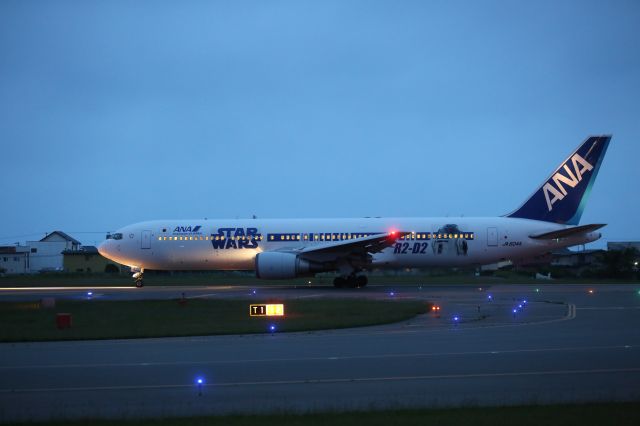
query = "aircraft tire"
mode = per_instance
[
  {"x": 361, "y": 281},
  {"x": 352, "y": 282},
  {"x": 139, "y": 284}
]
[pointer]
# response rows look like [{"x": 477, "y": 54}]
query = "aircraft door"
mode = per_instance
[
  {"x": 146, "y": 240},
  {"x": 492, "y": 237}
]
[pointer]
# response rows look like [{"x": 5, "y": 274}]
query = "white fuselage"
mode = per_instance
[{"x": 234, "y": 244}]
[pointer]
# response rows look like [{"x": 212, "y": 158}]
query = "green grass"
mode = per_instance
[
  {"x": 93, "y": 319},
  {"x": 619, "y": 414}
]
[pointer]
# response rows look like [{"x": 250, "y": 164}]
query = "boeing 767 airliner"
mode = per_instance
[{"x": 289, "y": 248}]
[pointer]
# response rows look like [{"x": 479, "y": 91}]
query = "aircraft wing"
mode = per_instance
[
  {"x": 355, "y": 247},
  {"x": 568, "y": 232}
]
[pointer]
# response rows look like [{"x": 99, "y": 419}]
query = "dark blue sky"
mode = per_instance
[{"x": 117, "y": 112}]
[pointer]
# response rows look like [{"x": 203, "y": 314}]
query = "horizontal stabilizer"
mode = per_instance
[{"x": 568, "y": 232}]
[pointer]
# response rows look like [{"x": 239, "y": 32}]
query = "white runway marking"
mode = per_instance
[
  {"x": 310, "y": 295},
  {"x": 201, "y": 296},
  {"x": 332, "y": 358},
  {"x": 608, "y": 308},
  {"x": 329, "y": 381}
]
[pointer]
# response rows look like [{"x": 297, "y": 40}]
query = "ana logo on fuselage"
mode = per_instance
[
  {"x": 555, "y": 185},
  {"x": 235, "y": 238},
  {"x": 186, "y": 229}
]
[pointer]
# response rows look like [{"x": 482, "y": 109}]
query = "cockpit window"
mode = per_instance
[{"x": 116, "y": 236}]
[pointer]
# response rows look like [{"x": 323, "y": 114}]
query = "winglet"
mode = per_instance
[{"x": 562, "y": 197}]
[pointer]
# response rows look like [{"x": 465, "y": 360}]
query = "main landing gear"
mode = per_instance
[
  {"x": 351, "y": 281},
  {"x": 137, "y": 276}
]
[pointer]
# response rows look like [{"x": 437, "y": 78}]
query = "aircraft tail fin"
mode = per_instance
[{"x": 562, "y": 197}]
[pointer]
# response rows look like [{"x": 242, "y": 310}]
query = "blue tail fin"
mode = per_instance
[{"x": 562, "y": 197}]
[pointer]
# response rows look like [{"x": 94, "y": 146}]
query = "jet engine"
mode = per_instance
[{"x": 279, "y": 266}]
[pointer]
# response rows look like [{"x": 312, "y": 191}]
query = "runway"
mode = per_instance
[{"x": 568, "y": 343}]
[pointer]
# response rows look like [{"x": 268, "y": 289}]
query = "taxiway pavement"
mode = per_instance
[{"x": 568, "y": 343}]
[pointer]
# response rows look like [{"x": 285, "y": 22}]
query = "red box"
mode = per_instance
[{"x": 64, "y": 321}]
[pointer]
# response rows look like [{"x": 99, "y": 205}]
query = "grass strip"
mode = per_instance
[
  {"x": 95, "y": 319},
  {"x": 597, "y": 414}
]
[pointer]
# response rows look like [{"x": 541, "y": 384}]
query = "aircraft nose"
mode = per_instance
[{"x": 103, "y": 249}]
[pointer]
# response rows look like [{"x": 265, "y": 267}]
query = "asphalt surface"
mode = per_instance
[{"x": 567, "y": 343}]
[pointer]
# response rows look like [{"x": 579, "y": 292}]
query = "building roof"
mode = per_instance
[
  {"x": 14, "y": 249},
  {"x": 63, "y": 235}
]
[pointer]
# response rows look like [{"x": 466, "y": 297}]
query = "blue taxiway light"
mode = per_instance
[
  {"x": 272, "y": 328},
  {"x": 520, "y": 306},
  {"x": 524, "y": 302},
  {"x": 514, "y": 311},
  {"x": 456, "y": 318},
  {"x": 392, "y": 294},
  {"x": 490, "y": 297},
  {"x": 199, "y": 382}
]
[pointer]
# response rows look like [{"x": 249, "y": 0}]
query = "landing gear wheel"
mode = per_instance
[
  {"x": 339, "y": 282},
  {"x": 138, "y": 277},
  {"x": 351, "y": 282},
  {"x": 361, "y": 281}
]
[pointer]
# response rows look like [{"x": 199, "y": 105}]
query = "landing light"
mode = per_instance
[{"x": 590, "y": 291}]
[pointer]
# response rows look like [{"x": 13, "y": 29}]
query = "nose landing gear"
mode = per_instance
[{"x": 138, "y": 277}]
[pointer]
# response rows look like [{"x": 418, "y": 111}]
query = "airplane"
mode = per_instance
[{"x": 289, "y": 248}]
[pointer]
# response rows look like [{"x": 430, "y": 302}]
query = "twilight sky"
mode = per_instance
[{"x": 113, "y": 112}]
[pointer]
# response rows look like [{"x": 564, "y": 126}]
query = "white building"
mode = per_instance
[
  {"x": 46, "y": 254},
  {"x": 14, "y": 259}
]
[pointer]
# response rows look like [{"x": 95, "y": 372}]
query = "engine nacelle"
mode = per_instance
[{"x": 274, "y": 265}]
